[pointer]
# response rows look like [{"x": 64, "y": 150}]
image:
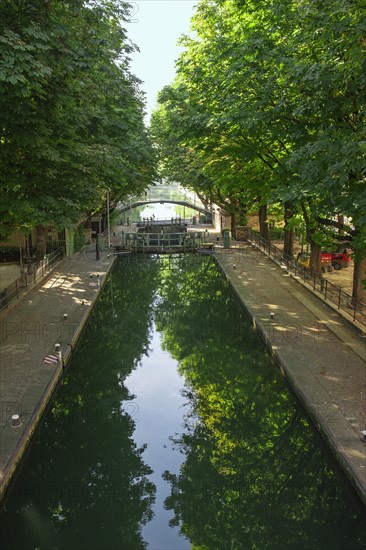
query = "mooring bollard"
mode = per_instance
[{"x": 15, "y": 421}]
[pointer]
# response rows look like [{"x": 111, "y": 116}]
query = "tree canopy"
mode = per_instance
[
  {"x": 268, "y": 106},
  {"x": 71, "y": 112}
]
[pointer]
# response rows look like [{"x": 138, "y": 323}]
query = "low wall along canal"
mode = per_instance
[{"x": 173, "y": 429}]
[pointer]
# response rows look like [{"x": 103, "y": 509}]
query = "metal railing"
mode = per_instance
[
  {"x": 32, "y": 274},
  {"x": 165, "y": 194},
  {"x": 166, "y": 221},
  {"x": 167, "y": 242},
  {"x": 329, "y": 292}
]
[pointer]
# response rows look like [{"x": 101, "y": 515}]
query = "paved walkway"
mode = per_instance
[
  {"x": 321, "y": 353},
  {"x": 8, "y": 274},
  {"x": 29, "y": 331}
]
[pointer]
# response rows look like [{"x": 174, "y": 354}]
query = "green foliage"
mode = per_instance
[
  {"x": 268, "y": 106},
  {"x": 79, "y": 238},
  {"x": 71, "y": 112}
]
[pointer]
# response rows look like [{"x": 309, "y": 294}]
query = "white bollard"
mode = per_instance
[{"x": 15, "y": 421}]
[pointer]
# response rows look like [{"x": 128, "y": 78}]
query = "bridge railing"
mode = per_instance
[
  {"x": 170, "y": 192},
  {"x": 194, "y": 220},
  {"x": 166, "y": 221},
  {"x": 192, "y": 197},
  {"x": 164, "y": 194},
  {"x": 133, "y": 201}
]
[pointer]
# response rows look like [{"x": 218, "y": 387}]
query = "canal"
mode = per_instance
[{"x": 173, "y": 429}]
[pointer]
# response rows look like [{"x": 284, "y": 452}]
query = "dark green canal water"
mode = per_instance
[{"x": 173, "y": 429}]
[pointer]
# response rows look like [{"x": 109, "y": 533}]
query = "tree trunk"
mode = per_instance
[
  {"x": 288, "y": 247},
  {"x": 41, "y": 242},
  {"x": 315, "y": 249},
  {"x": 340, "y": 219},
  {"x": 263, "y": 225},
  {"x": 359, "y": 274},
  {"x": 315, "y": 259}
]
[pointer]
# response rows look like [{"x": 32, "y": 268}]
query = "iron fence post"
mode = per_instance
[{"x": 322, "y": 284}]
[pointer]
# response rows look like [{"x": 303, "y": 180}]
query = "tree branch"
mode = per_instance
[{"x": 337, "y": 225}]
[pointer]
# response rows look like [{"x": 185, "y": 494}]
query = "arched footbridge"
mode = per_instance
[{"x": 136, "y": 202}]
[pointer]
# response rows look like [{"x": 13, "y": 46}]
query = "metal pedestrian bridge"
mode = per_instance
[
  {"x": 142, "y": 202},
  {"x": 160, "y": 194}
]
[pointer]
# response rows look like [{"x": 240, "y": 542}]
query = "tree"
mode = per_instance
[
  {"x": 268, "y": 107},
  {"x": 72, "y": 113}
]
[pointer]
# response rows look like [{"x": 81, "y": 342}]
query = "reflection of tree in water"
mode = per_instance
[
  {"x": 85, "y": 484},
  {"x": 254, "y": 475}
]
